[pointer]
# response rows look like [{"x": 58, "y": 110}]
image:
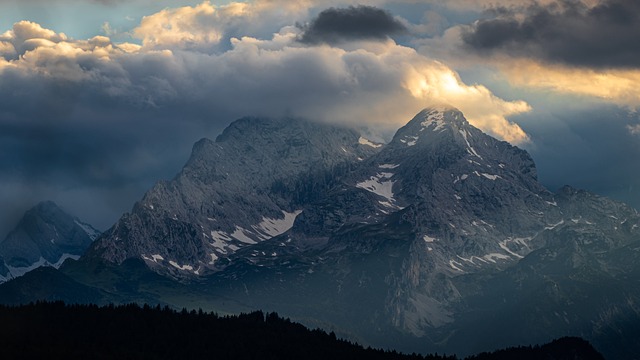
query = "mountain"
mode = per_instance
[
  {"x": 45, "y": 235},
  {"x": 247, "y": 186},
  {"x": 441, "y": 240}
]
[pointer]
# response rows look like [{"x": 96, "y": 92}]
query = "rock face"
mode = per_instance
[
  {"x": 247, "y": 186},
  {"x": 441, "y": 240},
  {"x": 46, "y": 235}
]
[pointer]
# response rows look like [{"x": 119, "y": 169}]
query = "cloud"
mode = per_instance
[
  {"x": 209, "y": 28},
  {"x": 352, "y": 23},
  {"x": 565, "y": 32},
  {"x": 434, "y": 81},
  {"x": 99, "y": 118},
  {"x": 271, "y": 77},
  {"x": 634, "y": 129},
  {"x": 617, "y": 86}
]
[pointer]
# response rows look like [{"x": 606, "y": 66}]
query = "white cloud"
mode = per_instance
[
  {"x": 634, "y": 129},
  {"x": 205, "y": 26}
]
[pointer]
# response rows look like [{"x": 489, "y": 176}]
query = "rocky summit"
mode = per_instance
[{"x": 441, "y": 240}]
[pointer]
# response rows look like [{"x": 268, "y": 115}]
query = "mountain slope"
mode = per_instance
[
  {"x": 247, "y": 186},
  {"x": 46, "y": 235}
]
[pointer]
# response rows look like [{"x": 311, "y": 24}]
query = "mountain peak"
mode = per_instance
[
  {"x": 437, "y": 116},
  {"x": 46, "y": 235},
  {"x": 46, "y": 207},
  {"x": 431, "y": 121}
]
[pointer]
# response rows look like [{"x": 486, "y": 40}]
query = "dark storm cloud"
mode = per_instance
[
  {"x": 604, "y": 36},
  {"x": 84, "y": 151},
  {"x": 351, "y": 23}
]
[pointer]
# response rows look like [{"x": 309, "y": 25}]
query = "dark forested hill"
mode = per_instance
[{"x": 56, "y": 330}]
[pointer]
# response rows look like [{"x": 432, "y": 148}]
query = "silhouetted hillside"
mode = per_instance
[
  {"x": 567, "y": 348},
  {"x": 55, "y": 330}
]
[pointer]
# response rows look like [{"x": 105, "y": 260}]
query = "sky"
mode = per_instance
[{"x": 99, "y": 99}]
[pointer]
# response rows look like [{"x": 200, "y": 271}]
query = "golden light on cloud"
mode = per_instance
[
  {"x": 181, "y": 26},
  {"x": 619, "y": 87},
  {"x": 439, "y": 83}
]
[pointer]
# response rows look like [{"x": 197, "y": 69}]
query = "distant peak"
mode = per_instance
[
  {"x": 46, "y": 207},
  {"x": 47, "y": 204}
]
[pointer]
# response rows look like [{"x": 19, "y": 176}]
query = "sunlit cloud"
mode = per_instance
[
  {"x": 434, "y": 81},
  {"x": 619, "y": 87},
  {"x": 206, "y": 25}
]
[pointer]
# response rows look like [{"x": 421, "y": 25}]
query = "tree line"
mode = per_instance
[{"x": 56, "y": 330}]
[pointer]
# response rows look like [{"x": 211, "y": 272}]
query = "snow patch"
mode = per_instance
[
  {"x": 183, "y": 267},
  {"x": 153, "y": 258},
  {"x": 470, "y": 148},
  {"x": 368, "y": 142},
  {"x": 490, "y": 257},
  {"x": 15, "y": 272},
  {"x": 491, "y": 177},
  {"x": 91, "y": 232},
  {"x": 269, "y": 227},
  {"x": 377, "y": 185},
  {"x": 453, "y": 264},
  {"x": 411, "y": 140},
  {"x": 214, "y": 257},
  {"x": 429, "y": 239},
  {"x": 239, "y": 234},
  {"x": 553, "y": 226},
  {"x": 220, "y": 240},
  {"x": 64, "y": 257},
  {"x": 19, "y": 271},
  {"x": 552, "y": 203},
  {"x": 434, "y": 120},
  {"x": 388, "y": 166},
  {"x": 503, "y": 245}
]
